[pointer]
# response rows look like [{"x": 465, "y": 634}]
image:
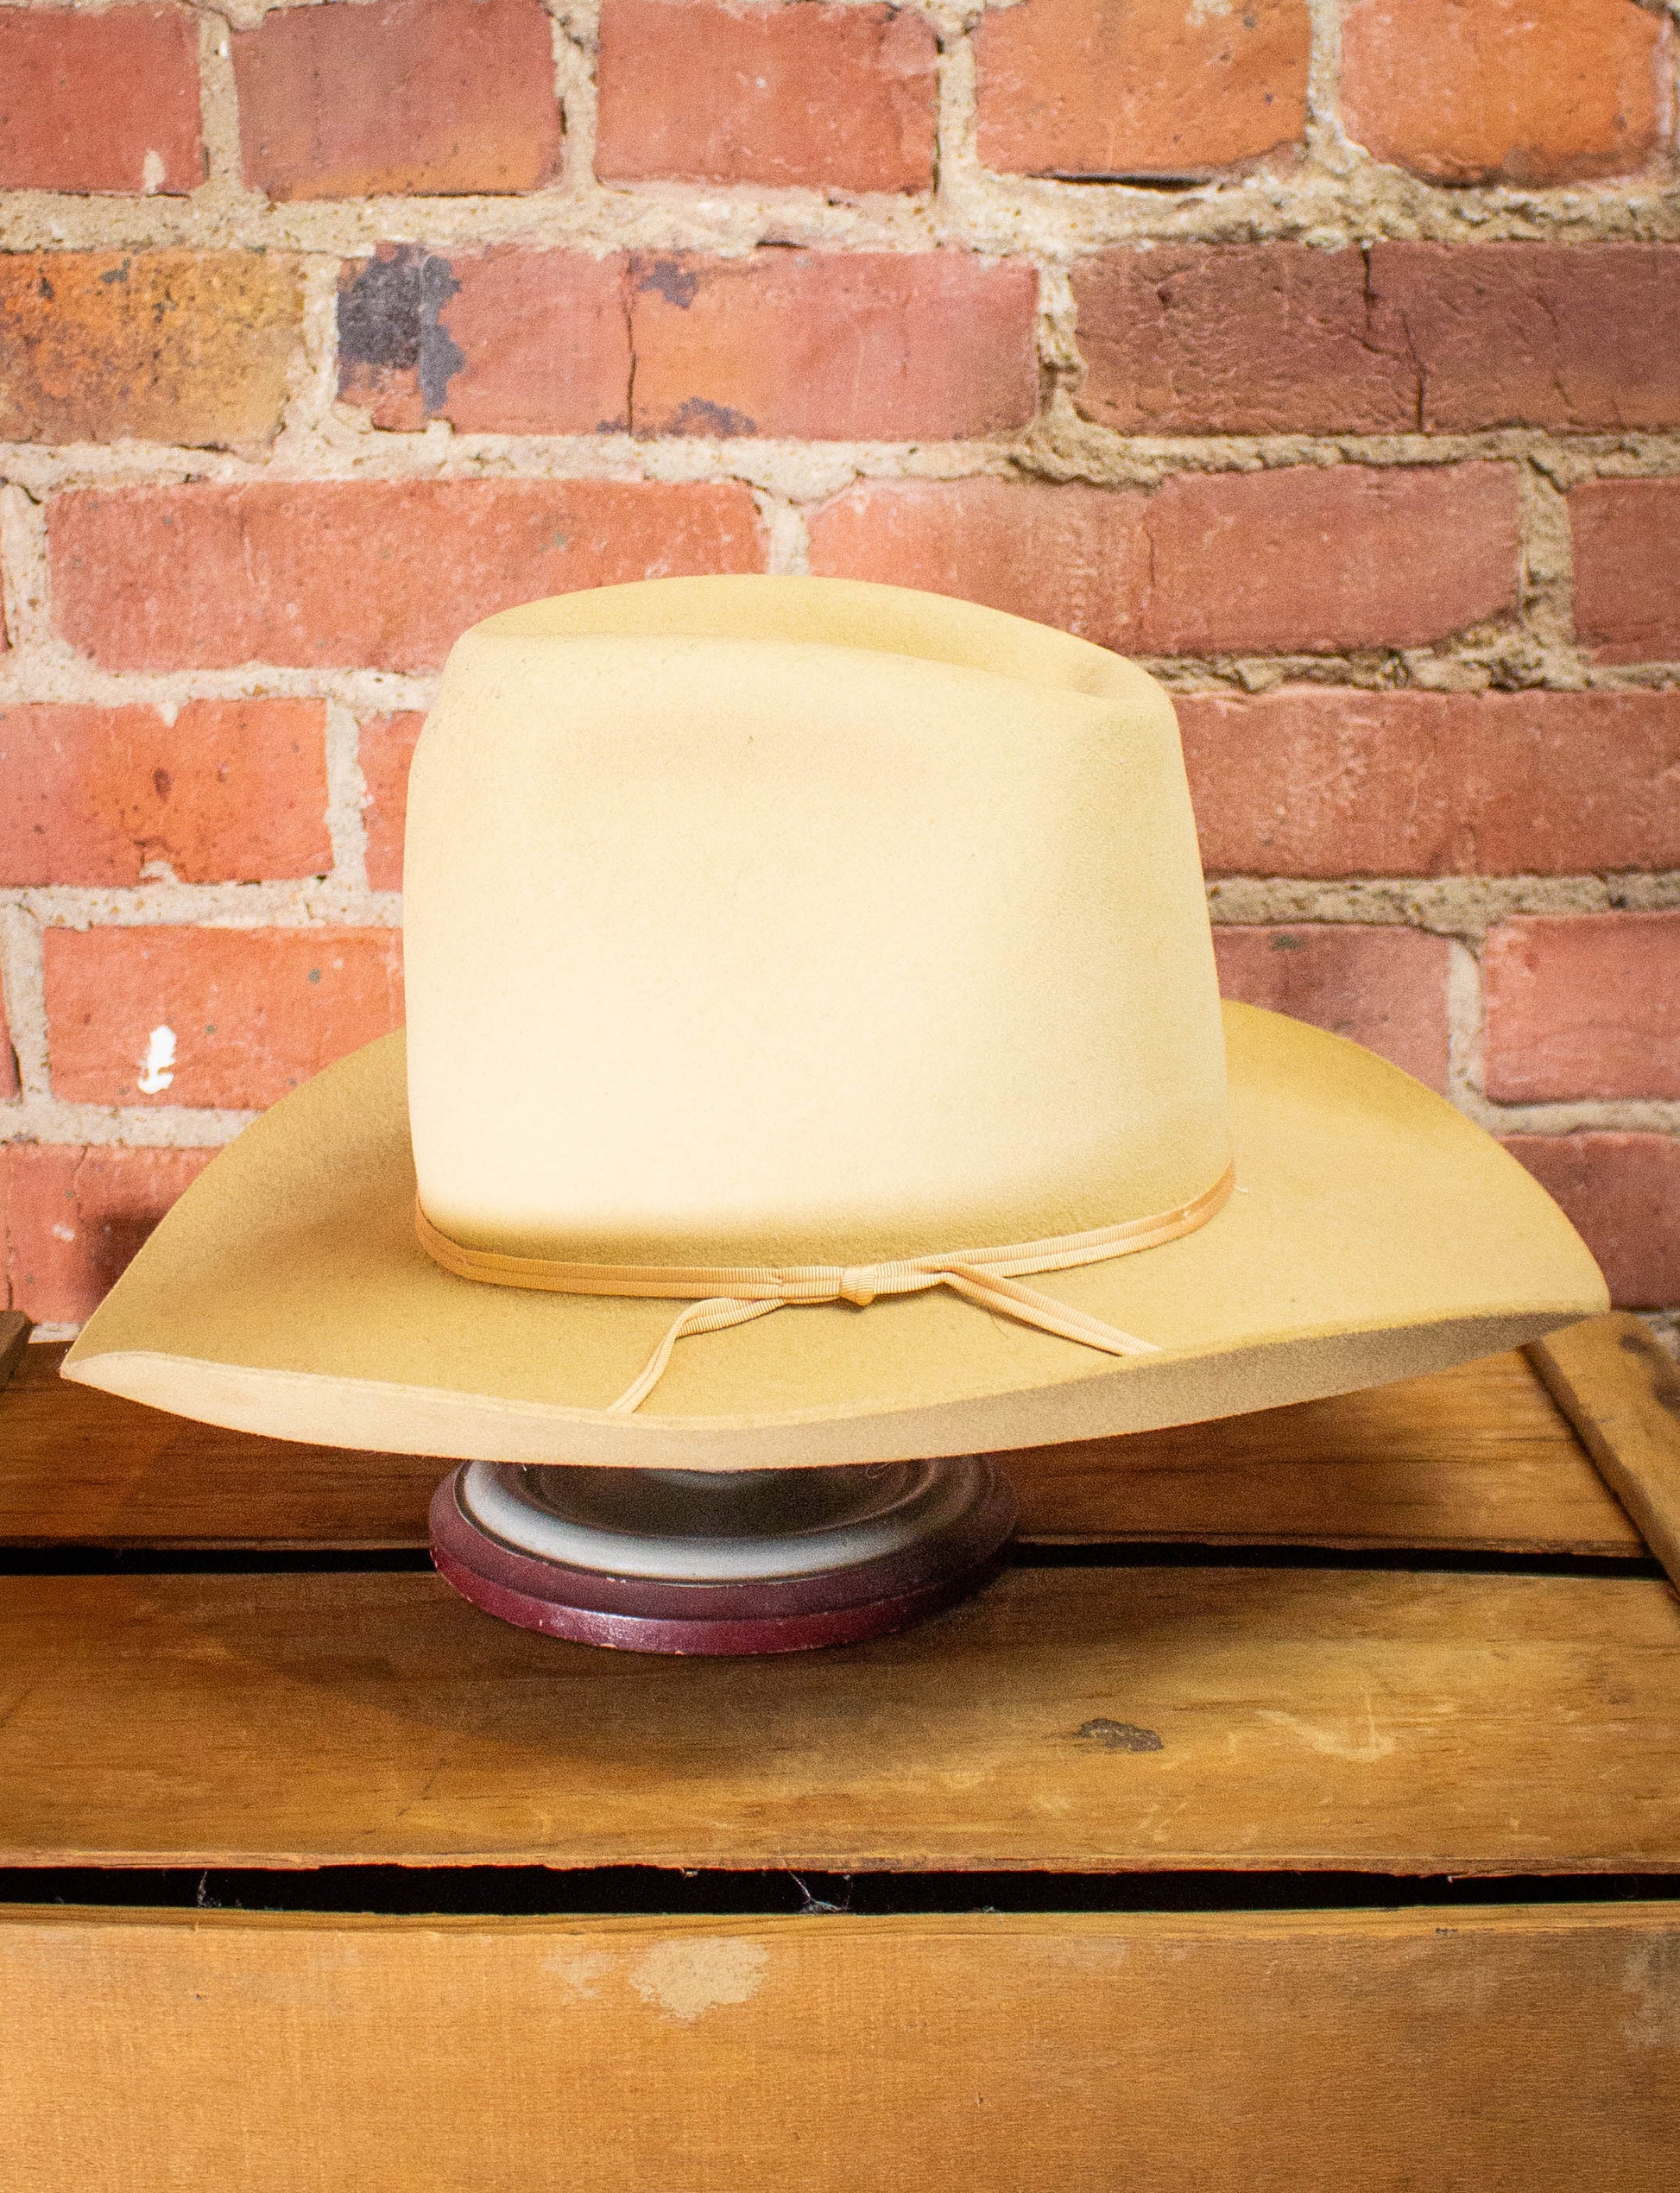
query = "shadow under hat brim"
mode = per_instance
[{"x": 1375, "y": 1233}]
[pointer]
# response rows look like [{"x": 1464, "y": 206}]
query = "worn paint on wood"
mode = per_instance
[{"x": 1523, "y": 2051}]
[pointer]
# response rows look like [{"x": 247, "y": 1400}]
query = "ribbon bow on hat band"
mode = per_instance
[{"x": 724, "y": 1295}]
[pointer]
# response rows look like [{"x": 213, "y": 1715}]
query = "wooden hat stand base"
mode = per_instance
[{"x": 721, "y": 1561}]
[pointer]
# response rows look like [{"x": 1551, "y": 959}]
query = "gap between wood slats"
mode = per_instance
[
  {"x": 144, "y": 1561},
  {"x": 498, "y": 1891}
]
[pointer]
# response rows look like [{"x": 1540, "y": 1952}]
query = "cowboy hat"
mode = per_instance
[{"x": 814, "y": 1057}]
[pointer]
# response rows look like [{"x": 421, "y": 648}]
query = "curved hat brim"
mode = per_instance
[{"x": 1375, "y": 1233}]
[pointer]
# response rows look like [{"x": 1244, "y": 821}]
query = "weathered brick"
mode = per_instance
[
  {"x": 1622, "y": 1194},
  {"x": 441, "y": 96},
  {"x": 1320, "y": 559},
  {"x": 1275, "y": 339},
  {"x": 828, "y": 345},
  {"x": 1386, "y": 987},
  {"x": 1074, "y": 556},
  {"x": 1505, "y": 90},
  {"x": 74, "y": 1215},
  {"x": 1582, "y": 1005},
  {"x": 231, "y": 792},
  {"x": 167, "y": 346},
  {"x": 1139, "y": 87},
  {"x": 386, "y": 748},
  {"x": 226, "y": 1017},
  {"x": 1627, "y": 539},
  {"x": 379, "y": 573},
  {"x": 1580, "y": 335},
  {"x": 1237, "y": 339},
  {"x": 713, "y": 91},
  {"x": 106, "y": 103},
  {"x": 1316, "y": 781},
  {"x": 505, "y": 341}
]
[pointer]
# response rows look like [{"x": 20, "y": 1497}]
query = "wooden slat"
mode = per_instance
[
  {"x": 1622, "y": 1394},
  {"x": 1476, "y": 1457},
  {"x": 1526, "y": 2051},
  {"x": 81, "y": 1467},
  {"x": 1068, "y": 1719}
]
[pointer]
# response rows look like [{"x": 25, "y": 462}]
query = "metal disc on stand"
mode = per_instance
[{"x": 720, "y": 1561}]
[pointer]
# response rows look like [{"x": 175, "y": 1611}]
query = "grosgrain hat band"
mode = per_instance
[{"x": 723, "y": 1295}]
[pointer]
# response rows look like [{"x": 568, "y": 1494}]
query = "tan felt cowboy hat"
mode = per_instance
[{"x": 814, "y": 1057}]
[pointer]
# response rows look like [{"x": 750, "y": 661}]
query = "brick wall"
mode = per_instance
[{"x": 1323, "y": 353}]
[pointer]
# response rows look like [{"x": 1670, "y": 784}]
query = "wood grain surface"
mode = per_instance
[
  {"x": 1523, "y": 2051},
  {"x": 1475, "y": 1456},
  {"x": 1622, "y": 1394},
  {"x": 1069, "y": 1719},
  {"x": 1480, "y": 1455}
]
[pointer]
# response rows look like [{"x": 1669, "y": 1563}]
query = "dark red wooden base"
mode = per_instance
[{"x": 783, "y": 1614}]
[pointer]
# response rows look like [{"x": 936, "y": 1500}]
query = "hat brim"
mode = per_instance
[{"x": 1375, "y": 1233}]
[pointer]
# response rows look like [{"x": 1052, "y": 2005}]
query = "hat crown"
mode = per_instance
[{"x": 784, "y": 921}]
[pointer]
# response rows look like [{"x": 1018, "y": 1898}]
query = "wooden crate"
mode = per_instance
[{"x": 1300, "y": 1810}]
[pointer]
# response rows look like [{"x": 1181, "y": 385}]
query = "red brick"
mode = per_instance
[
  {"x": 1505, "y": 90},
  {"x": 1238, "y": 339},
  {"x": 890, "y": 346},
  {"x": 171, "y": 346},
  {"x": 706, "y": 92},
  {"x": 380, "y": 573},
  {"x": 1386, "y": 987},
  {"x": 99, "y": 102},
  {"x": 231, "y": 791},
  {"x": 1071, "y": 556},
  {"x": 1321, "y": 559},
  {"x": 1275, "y": 339},
  {"x": 445, "y": 97},
  {"x": 1139, "y": 87},
  {"x": 887, "y": 346},
  {"x": 1582, "y": 1005},
  {"x": 75, "y": 1216},
  {"x": 253, "y": 1012},
  {"x": 386, "y": 748},
  {"x": 1313, "y": 782},
  {"x": 1627, "y": 537},
  {"x": 506, "y": 341},
  {"x": 1307, "y": 557},
  {"x": 1621, "y": 1192},
  {"x": 1581, "y": 335}
]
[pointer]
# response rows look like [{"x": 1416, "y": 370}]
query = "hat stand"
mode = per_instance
[{"x": 713, "y": 1561}]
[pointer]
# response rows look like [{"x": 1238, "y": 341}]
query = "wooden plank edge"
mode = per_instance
[
  {"x": 1427, "y": 1920},
  {"x": 1621, "y": 1392},
  {"x": 1287, "y": 1541},
  {"x": 1087, "y": 1863},
  {"x": 15, "y": 1331}
]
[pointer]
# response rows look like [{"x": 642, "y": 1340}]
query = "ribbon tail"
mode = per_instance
[
  {"x": 714, "y": 1314},
  {"x": 991, "y": 1291}
]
